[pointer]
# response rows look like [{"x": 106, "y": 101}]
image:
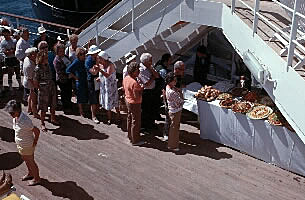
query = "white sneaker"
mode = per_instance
[
  {"x": 95, "y": 120},
  {"x": 165, "y": 138},
  {"x": 138, "y": 143}
]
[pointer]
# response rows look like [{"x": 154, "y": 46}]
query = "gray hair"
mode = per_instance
[
  {"x": 145, "y": 57},
  {"x": 41, "y": 44},
  {"x": 13, "y": 106},
  {"x": 31, "y": 50},
  {"x": 178, "y": 64}
]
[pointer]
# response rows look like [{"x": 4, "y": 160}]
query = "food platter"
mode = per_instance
[
  {"x": 276, "y": 119},
  {"x": 251, "y": 96},
  {"x": 242, "y": 107},
  {"x": 238, "y": 92},
  {"x": 224, "y": 96},
  {"x": 207, "y": 93},
  {"x": 260, "y": 112},
  {"x": 227, "y": 103}
]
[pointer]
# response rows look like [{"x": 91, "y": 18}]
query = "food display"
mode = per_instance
[
  {"x": 242, "y": 107},
  {"x": 207, "y": 93},
  {"x": 276, "y": 119},
  {"x": 266, "y": 100},
  {"x": 238, "y": 92},
  {"x": 260, "y": 112},
  {"x": 224, "y": 96},
  {"x": 227, "y": 103},
  {"x": 251, "y": 96}
]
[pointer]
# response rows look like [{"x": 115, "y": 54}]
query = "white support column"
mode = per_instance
[
  {"x": 68, "y": 33},
  {"x": 255, "y": 21},
  {"x": 96, "y": 32},
  {"x": 17, "y": 22},
  {"x": 132, "y": 16},
  {"x": 293, "y": 33},
  {"x": 233, "y": 6}
]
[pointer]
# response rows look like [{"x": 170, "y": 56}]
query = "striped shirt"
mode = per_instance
[
  {"x": 174, "y": 100},
  {"x": 145, "y": 75},
  {"x": 23, "y": 127}
]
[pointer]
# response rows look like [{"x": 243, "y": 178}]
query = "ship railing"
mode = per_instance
[
  {"x": 296, "y": 16},
  {"x": 134, "y": 4},
  {"x": 56, "y": 29}
]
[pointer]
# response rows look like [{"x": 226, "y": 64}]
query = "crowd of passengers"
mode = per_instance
[{"x": 51, "y": 67}]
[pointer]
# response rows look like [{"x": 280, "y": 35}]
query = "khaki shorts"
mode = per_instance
[{"x": 25, "y": 151}]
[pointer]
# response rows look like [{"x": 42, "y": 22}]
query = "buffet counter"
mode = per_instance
[{"x": 258, "y": 138}]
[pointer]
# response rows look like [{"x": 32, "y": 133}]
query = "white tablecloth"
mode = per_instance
[{"x": 273, "y": 144}]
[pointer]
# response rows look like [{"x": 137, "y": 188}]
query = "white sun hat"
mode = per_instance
[
  {"x": 129, "y": 57},
  {"x": 93, "y": 49},
  {"x": 41, "y": 30},
  {"x": 104, "y": 55}
]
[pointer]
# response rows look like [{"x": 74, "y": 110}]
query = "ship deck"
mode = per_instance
[{"x": 81, "y": 161}]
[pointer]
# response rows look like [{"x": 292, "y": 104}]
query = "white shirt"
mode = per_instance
[
  {"x": 125, "y": 73},
  {"x": 174, "y": 100},
  {"x": 145, "y": 75},
  {"x": 21, "y": 46},
  {"x": 23, "y": 127},
  {"x": 28, "y": 70}
]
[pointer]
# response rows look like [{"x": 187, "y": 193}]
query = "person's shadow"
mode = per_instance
[
  {"x": 73, "y": 128},
  {"x": 7, "y": 134},
  {"x": 67, "y": 189},
  {"x": 190, "y": 143},
  {"x": 10, "y": 160}
]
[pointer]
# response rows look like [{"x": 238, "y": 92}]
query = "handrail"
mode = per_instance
[
  {"x": 60, "y": 9},
  {"x": 38, "y": 21},
  {"x": 293, "y": 41},
  {"x": 146, "y": 11},
  {"x": 109, "y": 6}
]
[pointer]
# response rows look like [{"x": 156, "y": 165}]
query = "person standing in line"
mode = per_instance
[
  {"x": 8, "y": 47},
  {"x": 28, "y": 82},
  {"x": 77, "y": 71},
  {"x": 22, "y": 45},
  {"x": 46, "y": 89},
  {"x": 70, "y": 51},
  {"x": 62, "y": 79},
  {"x": 179, "y": 73},
  {"x": 109, "y": 97},
  {"x": 92, "y": 71},
  {"x": 133, "y": 95},
  {"x": 26, "y": 138},
  {"x": 147, "y": 77},
  {"x": 175, "y": 105},
  {"x": 44, "y": 37},
  {"x": 129, "y": 57}
]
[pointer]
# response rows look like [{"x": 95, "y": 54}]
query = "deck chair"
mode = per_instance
[{"x": 300, "y": 32}]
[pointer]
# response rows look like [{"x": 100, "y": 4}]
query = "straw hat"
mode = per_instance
[
  {"x": 104, "y": 55},
  {"x": 93, "y": 49},
  {"x": 129, "y": 57},
  {"x": 41, "y": 30}
]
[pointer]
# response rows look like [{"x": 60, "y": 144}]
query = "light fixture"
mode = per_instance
[{"x": 254, "y": 66}]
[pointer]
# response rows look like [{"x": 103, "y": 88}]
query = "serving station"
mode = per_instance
[{"x": 263, "y": 134}]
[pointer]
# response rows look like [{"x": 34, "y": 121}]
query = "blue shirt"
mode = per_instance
[
  {"x": 89, "y": 63},
  {"x": 51, "y": 57},
  {"x": 77, "y": 68}
]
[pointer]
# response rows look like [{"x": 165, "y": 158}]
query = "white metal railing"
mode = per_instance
[{"x": 294, "y": 27}]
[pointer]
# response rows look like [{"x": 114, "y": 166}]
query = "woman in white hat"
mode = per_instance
[{"x": 109, "y": 97}]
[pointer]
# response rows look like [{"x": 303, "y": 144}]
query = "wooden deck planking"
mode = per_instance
[{"x": 81, "y": 160}]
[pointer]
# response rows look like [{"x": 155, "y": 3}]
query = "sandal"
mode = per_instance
[
  {"x": 27, "y": 177},
  {"x": 43, "y": 128},
  {"x": 33, "y": 182}
]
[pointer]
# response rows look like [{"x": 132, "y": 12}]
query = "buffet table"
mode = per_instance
[{"x": 258, "y": 138}]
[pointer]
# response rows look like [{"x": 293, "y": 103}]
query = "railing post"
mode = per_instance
[
  {"x": 132, "y": 16},
  {"x": 255, "y": 21},
  {"x": 68, "y": 33},
  {"x": 233, "y": 6},
  {"x": 96, "y": 30},
  {"x": 17, "y": 22},
  {"x": 293, "y": 33}
]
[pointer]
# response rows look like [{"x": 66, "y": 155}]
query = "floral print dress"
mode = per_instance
[{"x": 109, "y": 97}]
